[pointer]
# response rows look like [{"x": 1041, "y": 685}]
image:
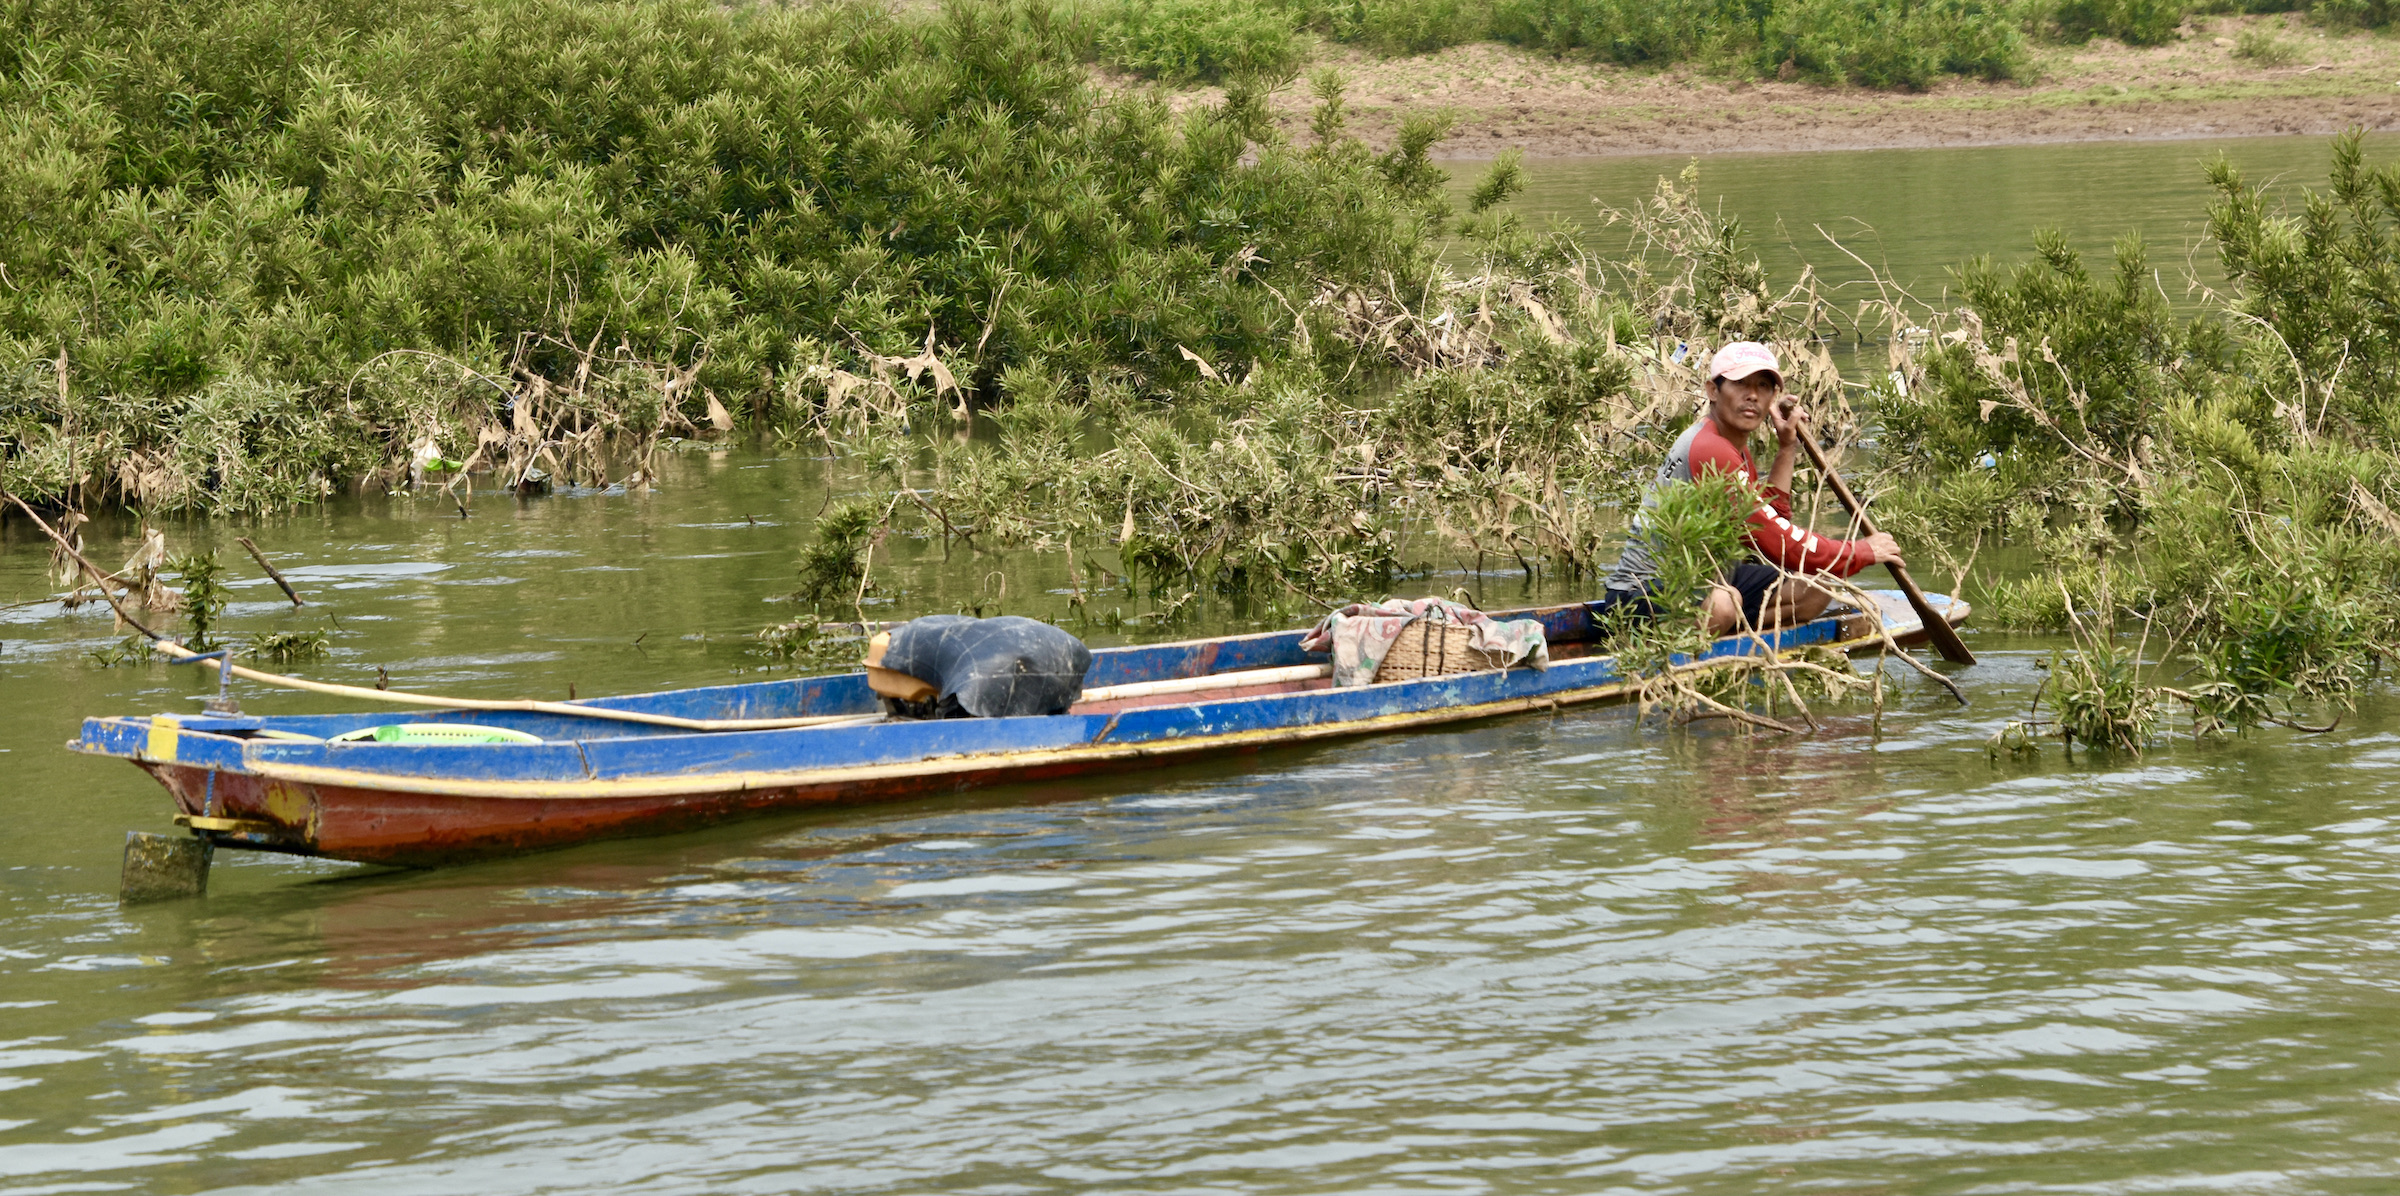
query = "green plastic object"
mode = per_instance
[{"x": 436, "y": 733}]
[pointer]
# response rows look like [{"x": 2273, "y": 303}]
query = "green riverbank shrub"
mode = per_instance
[
  {"x": 1622, "y": 31},
  {"x": 216, "y": 246},
  {"x": 2225, "y": 481},
  {"x": 832, "y": 567},
  {"x": 2261, "y": 46},
  {"x": 2099, "y": 699},
  {"x": 1902, "y": 44},
  {"x": 1184, "y": 41},
  {"x": 1397, "y": 26},
  {"x": 2322, "y": 287},
  {"x": 1893, "y": 46},
  {"x": 2052, "y": 358},
  {"x": 2134, "y": 22},
  {"x": 1887, "y": 44},
  {"x": 2355, "y": 14},
  {"x": 2336, "y": 14},
  {"x": 1890, "y": 44}
]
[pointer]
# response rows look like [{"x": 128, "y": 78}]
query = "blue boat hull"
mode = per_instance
[{"x": 423, "y": 805}]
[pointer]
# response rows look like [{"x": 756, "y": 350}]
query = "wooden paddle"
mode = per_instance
[{"x": 1944, "y": 636}]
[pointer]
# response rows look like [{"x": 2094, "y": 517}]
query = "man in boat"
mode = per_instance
[{"x": 1745, "y": 389}]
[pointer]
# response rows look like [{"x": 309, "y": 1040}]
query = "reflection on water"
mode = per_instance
[{"x": 1537, "y": 954}]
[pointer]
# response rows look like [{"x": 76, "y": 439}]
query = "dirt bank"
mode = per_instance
[{"x": 1508, "y": 98}]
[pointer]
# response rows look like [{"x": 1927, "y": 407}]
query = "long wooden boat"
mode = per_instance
[{"x": 284, "y": 784}]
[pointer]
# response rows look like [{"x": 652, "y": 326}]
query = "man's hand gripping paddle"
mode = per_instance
[{"x": 1944, "y": 636}]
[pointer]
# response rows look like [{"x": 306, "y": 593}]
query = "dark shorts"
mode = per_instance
[{"x": 1752, "y": 581}]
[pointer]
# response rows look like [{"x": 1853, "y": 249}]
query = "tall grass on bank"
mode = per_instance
[{"x": 259, "y": 249}]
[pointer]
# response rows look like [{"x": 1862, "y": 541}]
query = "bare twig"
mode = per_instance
[
  {"x": 1866, "y": 603},
  {"x": 261, "y": 558},
  {"x": 88, "y": 567}
]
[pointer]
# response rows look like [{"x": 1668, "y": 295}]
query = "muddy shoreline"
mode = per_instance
[{"x": 1897, "y": 127}]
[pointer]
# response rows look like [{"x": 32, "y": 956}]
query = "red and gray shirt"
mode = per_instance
[{"x": 1703, "y": 450}]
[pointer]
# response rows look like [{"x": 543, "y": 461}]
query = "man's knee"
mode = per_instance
[
  {"x": 1723, "y": 610},
  {"x": 1790, "y": 602},
  {"x": 1807, "y": 601}
]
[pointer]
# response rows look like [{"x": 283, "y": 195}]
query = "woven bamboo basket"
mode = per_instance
[{"x": 1430, "y": 649}]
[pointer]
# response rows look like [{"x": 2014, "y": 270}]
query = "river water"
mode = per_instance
[
  {"x": 1912, "y": 215},
  {"x": 1546, "y": 954}
]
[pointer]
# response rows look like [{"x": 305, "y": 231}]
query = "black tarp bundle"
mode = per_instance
[{"x": 991, "y": 668}]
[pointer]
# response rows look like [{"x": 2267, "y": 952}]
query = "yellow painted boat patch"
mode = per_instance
[{"x": 165, "y": 729}]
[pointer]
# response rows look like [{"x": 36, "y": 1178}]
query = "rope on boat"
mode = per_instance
[{"x": 177, "y": 651}]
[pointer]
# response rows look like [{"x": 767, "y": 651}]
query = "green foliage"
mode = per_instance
[
  {"x": 1902, "y": 45},
  {"x": 217, "y": 250},
  {"x": 1633, "y": 32},
  {"x": 2061, "y": 357},
  {"x": 2098, "y": 697},
  {"x": 133, "y": 649},
  {"x": 1512, "y": 418},
  {"x": 2260, "y": 45},
  {"x": 1235, "y": 495},
  {"x": 2134, "y": 22},
  {"x": 1893, "y": 44},
  {"x": 1499, "y": 183},
  {"x": 2226, "y": 480},
  {"x": 1697, "y": 533},
  {"x": 2282, "y": 637},
  {"x": 1187, "y": 40},
  {"x": 2358, "y": 14},
  {"x": 2031, "y": 603},
  {"x": 1874, "y": 43},
  {"x": 203, "y": 595},
  {"x": 284, "y": 647},
  {"x": 1408, "y": 166},
  {"x": 2324, "y": 282},
  {"x": 1396, "y": 26},
  {"x": 832, "y": 568},
  {"x": 1961, "y": 503},
  {"x": 809, "y": 644}
]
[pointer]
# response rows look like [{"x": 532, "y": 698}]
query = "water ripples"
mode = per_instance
[{"x": 1538, "y": 955}]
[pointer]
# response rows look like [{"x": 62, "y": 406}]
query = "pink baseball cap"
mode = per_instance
[{"x": 1742, "y": 359}]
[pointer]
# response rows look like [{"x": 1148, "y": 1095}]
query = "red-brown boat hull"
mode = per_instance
[{"x": 377, "y": 826}]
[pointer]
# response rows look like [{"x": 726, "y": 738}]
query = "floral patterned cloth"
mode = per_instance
[{"x": 1359, "y": 635}]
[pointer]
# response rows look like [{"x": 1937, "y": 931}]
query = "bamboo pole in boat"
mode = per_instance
[
  {"x": 530, "y": 706},
  {"x": 1178, "y": 685}
]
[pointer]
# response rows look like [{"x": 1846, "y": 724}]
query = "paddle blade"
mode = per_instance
[{"x": 1937, "y": 627}]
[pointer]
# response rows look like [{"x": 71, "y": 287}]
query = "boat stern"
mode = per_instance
[{"x": 202, "y": 770}]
